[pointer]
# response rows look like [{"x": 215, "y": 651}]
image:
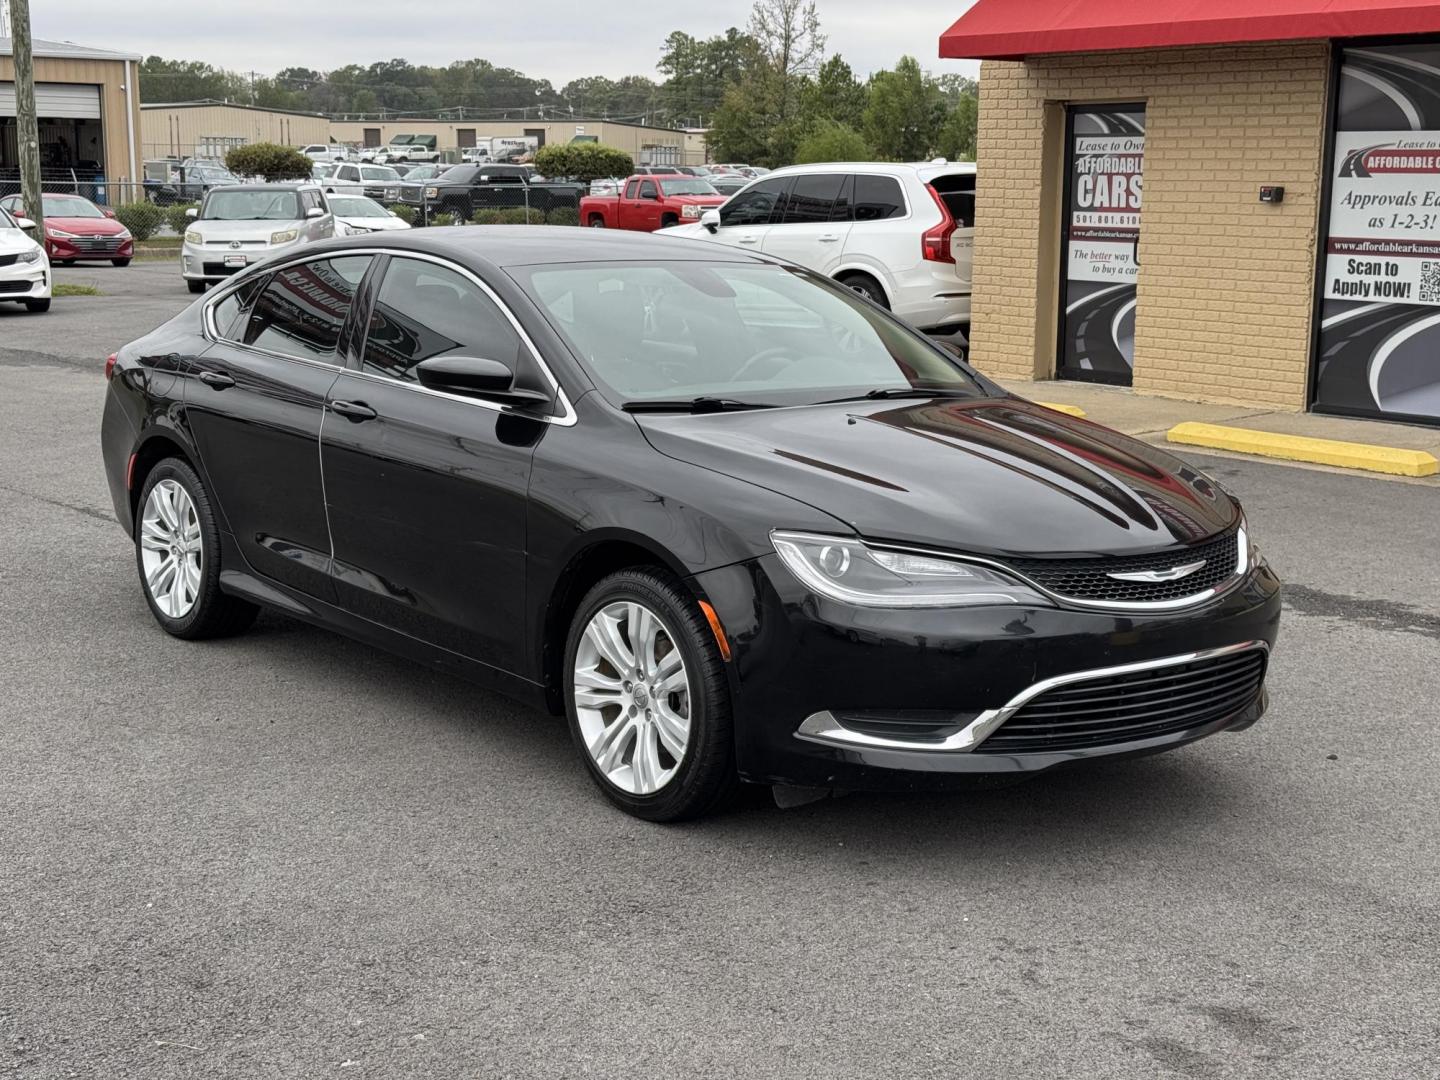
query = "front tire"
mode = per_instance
[
  {"x": 647, "y": 698},
  {"x": 119, "y": 262},
  {"x": 37, "y": 307},
  {"x": 196, "y": 286},
  {"x": 177, "y": 554}
]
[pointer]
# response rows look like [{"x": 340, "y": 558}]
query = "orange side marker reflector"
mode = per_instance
[
  {"x": 130, "y": 473},
  {"x": 717, "y": 630}
]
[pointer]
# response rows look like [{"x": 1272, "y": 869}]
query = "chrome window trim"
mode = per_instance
[
  {"x": 823, "y": 727},
  {"x": 567, "y": 417}
]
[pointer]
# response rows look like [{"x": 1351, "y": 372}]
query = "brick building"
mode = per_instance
[{"x": 1288, "y": 153}]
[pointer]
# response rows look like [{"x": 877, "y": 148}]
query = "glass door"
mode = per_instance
[{"x": 1105, "y": 159}]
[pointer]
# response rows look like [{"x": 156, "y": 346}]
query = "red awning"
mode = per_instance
[{"x": 1015, "y": 29}]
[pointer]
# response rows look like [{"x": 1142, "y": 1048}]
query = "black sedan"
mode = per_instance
[{"x": 734, "y": 521}]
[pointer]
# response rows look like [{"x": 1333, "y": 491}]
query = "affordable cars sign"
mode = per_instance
[{"x": 1106, "y": 180}]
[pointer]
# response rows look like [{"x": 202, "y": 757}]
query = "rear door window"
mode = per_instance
[
  {"x": 877, "y": 198},
  {"x": 958, "y": 195},
  {"x": 303, "y": 308},
  {"x": 424, "y": 310},
  {"x": 812, "y": 199}
]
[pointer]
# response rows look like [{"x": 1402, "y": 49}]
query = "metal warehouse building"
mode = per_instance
[
  {"x": 646, "y": 145},
  {"x": 209, "y": 128},
  {"x": 88, "y": 104},
  {"x": 1287, "y": 156}
]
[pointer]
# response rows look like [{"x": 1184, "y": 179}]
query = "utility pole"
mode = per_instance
[{"x": 27, "y": 128}]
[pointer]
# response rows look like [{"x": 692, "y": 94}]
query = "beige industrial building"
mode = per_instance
[
  {"x": 88, "y": 105},
  {"x": 646, "y": 145},
  {"x": 1288, "y": 250},
  {"x": 209, "y": 128}
]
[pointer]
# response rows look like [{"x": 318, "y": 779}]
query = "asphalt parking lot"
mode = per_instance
[{"x": 288, "y": 855}]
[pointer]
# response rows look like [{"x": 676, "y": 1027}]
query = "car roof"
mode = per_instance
[
  {"x": 506, "y": 246},
  {"x": 925, "y": 170},
  {"x": 286, "y": 185}
]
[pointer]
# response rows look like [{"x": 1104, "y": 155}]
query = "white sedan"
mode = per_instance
[
  {"x": 24, "y": 268},
  {"x": 357, "y": 215}
]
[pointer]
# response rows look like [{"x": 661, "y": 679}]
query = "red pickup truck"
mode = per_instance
[{"x": 648, "y": 203}]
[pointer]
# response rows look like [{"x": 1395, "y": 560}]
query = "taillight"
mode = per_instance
[
  {"x": 935, "y": 241},
  {"x": 110, "y": 364}
]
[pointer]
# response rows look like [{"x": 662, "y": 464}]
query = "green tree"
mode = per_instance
[
  {"x": 905, "y": 111},
  {"x": 957, "y": 136},
  {"x": 268, "y": 160},
  {"x": 188, "y": 80},
  {"x": 834, "y": 94},
  {"x": 698, "y": 73},
  {"x": 829, "y": 141}
]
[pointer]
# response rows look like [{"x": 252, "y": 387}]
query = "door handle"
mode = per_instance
[
  {"x": 355, "y": 411},
  {"x": 216, "y": 380},
  {"x": 830, "y": 239},
  {"x": 748, "y": 239}
]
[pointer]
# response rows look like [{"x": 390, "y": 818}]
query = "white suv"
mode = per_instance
[{"x": 901, "y": 234}]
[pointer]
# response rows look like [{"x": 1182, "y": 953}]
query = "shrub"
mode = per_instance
[
  {"x": 486, "y": 217},
  {"x": 583, "y": 161},
  {"x": 176, "y": 217},
  {"x": 521, "y": 215},
  {"x": 448, "y": 217},
  {"x": 405, "y": 213},
  {"x": 563, "y": 215},
  {"x": 143, "y": 219},
  {"x": 270, "y": 161},
  {"x": 829, "y": 141}
]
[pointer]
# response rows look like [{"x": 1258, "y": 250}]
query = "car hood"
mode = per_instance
[
  {"x": 699, "y": 200},
  {"x": 14, "y": 241},
  {"x": 215, "y": 229},
  {"x": 84, "y": 226},
  {"x": 990, "y": 476}
]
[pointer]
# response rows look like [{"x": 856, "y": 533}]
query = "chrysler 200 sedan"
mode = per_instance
[{"x": 736, "y": 522}]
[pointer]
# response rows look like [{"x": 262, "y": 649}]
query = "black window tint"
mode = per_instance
[
  {"x": 232, "y": 304},
  {"x": 958, "y": 194},
  {"x": 754, "y": 205},
  {"x": 812, "y": 198},
  {"x": 424, "y": 311},
  {"x": 302, "y": 309},
  {"x": 842, "y": 210},
  {"x": 647, "y": 189},
  {"x": 878, "y": 198}
]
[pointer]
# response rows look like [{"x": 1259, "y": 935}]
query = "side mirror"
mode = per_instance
[
  {"x": 472, "y": 376},
  {"x": 108, "y": 212},
  {"x": 24, "y": 223},
  {"x": 192, "y": 212},
  {"x": 711, "y": 219},
  {"x": 314, "y": 212}
]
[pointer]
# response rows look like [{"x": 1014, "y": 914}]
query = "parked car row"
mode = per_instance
[
  {"x": 76, "y": 230},
  {"x": 24, "y": 266}
]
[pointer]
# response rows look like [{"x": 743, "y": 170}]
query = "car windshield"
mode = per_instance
[
  {"x": 424, "y": 172},
  {"x": 71, "y": 206},
  {"x": 223, "y": 205},
  {"x": 351, "y": 207},
  {"x": 687, "y": 187},
  {"x": 6, "y": 221},
  {"x": 320, "y": 172},
  {"x": 378, "y": 172},
  {"x": 768, "y": 335}
]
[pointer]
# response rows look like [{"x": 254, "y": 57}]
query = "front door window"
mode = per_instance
[{"x": 1105, "y": 167}]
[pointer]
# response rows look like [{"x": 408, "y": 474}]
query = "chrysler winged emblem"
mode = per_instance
[{"x": 1175, "y": 573}]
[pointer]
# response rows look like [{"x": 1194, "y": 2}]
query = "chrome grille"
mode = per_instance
[
  {"x": 1088, "y": 579},
  {"x": 1130, "y": 707}
]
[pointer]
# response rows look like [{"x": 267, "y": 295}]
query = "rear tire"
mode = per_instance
[
  {"x": 867, "y": 287},
  {"x": 38, "y": 307},
  {"x": 177, "y": 554},
  {"x": 196, "y": 286},
  {"x": 655, "y": 733}
]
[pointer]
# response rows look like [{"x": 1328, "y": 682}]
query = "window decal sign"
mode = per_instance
[
  {"x": 1379, "y": 341},
  {"x": 1105, "y": 177}
]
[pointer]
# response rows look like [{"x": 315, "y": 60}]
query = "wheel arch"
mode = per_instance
[
  {"x": 152, "y": 450},
  {"x": 864, "y": 271},
  {"x": 602, "y": 554}
]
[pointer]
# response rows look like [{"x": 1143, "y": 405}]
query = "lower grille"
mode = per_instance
[
  {"x": 16, "y": 286},
  {"x": 1139, "y": 705},
  {"x": 96, "y": 245},
  {"x": 214, "y": 269}
]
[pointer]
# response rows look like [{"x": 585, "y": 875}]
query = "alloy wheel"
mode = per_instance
[
  {"x": 171, "y": 549},
  {"x": 632, "y": 697}
]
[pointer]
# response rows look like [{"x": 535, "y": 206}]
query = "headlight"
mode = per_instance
[
  {"x": 690, "y": 211},
  {"x": 432, "y": 192},
  {"x": 192, "y": 236},
  {"x": 284, "y": 236},
  {"x": 123, "y": 234},
  {"x": 1247, "y": 552},
  {"x": 33, "y": 255},
  {"x": 62, "y": 234},
  {"x": 852, "y": 572}
]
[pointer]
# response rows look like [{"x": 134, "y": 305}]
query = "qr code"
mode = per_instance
[{"x": 1430, "y": 282}]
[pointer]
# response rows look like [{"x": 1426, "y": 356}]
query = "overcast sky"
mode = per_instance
[{"x": 549, "y": 39}]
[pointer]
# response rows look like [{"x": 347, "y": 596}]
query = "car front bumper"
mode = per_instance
[
  {"x": 25, "y": 281},
  {"x": 218, "y": 263},
  {"x": 100, "y": 248},
  {"x": 831, "y": 696}
]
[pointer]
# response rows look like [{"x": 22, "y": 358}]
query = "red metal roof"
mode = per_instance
[{"x": 1014, "y": 29}]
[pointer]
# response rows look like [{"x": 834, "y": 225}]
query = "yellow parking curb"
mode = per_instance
[
  {"x": 1344, "y": 455},
  {"x": 1073, "y": 410}
]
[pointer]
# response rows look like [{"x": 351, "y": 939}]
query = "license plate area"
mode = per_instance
[{"x": 235, "y": 260}]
